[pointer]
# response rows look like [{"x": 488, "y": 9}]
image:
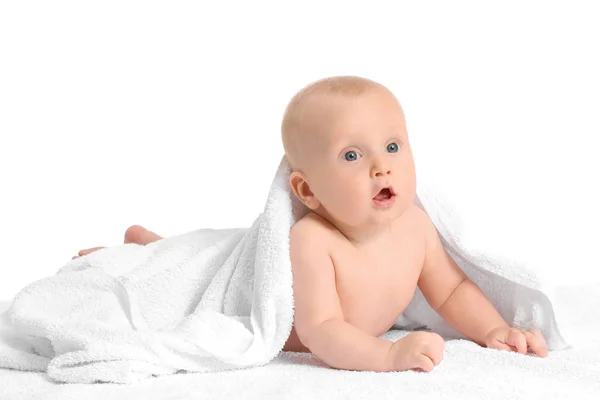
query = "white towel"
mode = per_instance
[{"x": 213, "y": 300}]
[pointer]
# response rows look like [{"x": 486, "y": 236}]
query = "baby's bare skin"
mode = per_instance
[
  {"x": 375, "y": 283},
  {"x": 357, "y": 261},
  {"x": 359, "y": 255}
]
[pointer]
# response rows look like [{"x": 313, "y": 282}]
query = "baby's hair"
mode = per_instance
[{"x": 293, "y": 124}]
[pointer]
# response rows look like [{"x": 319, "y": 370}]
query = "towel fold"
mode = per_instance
[{"x": 217, "y": 299}]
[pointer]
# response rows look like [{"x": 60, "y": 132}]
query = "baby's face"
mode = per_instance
[{"x": 361, "y": 148}]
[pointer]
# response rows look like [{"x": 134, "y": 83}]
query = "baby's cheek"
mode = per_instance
[{"x": 350, "y": 208}]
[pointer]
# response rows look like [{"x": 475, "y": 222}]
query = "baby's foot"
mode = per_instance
[
  {"x": 86, "y": 251},
  {"x": 140, "y": 235},
  {"x": 134, "y": 234}
]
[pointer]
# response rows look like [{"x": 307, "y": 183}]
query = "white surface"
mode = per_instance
[
  {"x": 117, "y": 113},
  {"x": 568, "y": 374}
]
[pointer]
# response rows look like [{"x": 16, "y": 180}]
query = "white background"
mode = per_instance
[{"x": 167, "y": 115}]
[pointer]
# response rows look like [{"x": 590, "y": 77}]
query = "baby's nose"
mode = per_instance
[{"x": 380, "y": 170}]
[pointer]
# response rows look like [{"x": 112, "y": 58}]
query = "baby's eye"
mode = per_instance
[
  {"x": 392, "y": 147},
  {"x": 351, "y": 155}
]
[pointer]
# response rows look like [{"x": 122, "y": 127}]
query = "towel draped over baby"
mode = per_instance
[{"x": 218, "y": 299}]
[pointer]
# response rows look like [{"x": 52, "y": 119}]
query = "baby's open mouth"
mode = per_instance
[{"x": 384, "y": 194}]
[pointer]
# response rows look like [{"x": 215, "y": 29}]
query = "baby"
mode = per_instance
[{"x": 364, "y": 247}]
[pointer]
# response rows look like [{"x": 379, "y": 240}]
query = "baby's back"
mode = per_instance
[{"x": 368, "y": 286}]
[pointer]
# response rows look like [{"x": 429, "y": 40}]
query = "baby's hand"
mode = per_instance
[
  {"x": 419, "y": 351},
  {"x": 514, "y": 339}
]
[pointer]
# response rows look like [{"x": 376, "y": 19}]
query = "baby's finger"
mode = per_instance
[
  {"x": 517, "y": 339},
  {"x": 498, "y": 345},
  {"x": 536, "y": 342},
  {"x": 423, "y": 363}
]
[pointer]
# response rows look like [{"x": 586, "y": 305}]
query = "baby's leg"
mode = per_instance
[
  {"x": 140, "y": 235},
  {"x": 134, "y": 234}
]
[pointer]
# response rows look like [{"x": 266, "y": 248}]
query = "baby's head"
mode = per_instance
[{"x": 345, "y": 139}]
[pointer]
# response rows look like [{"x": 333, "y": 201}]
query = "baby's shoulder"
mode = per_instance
[
  {"x": 419, "y": 216},
  {"x": 423, "y": 227},
  {"x": 312, "y": 228}
]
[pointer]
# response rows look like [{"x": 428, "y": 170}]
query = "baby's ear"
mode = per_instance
[{"x": 302, "y": 190}]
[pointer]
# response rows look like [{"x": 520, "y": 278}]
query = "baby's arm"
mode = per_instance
[
  {"x": 319, "y": 320},
  {"x": 452, "y": 294},
  {"x": 464, "y": 306}
]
